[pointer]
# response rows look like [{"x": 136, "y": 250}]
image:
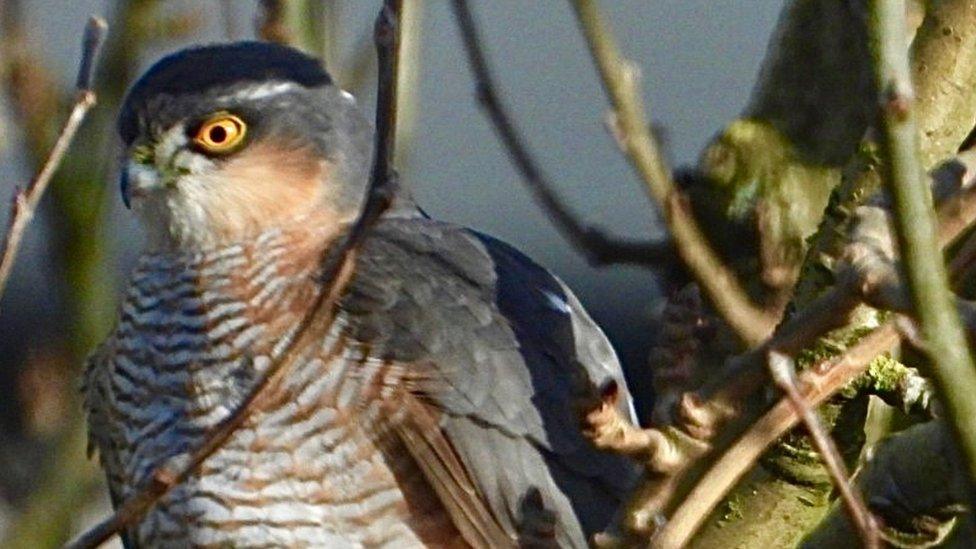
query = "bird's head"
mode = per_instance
[{"x": 223, "y": 142}]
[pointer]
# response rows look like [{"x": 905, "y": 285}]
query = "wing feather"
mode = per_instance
[
  {"x": 421, "y": 434},
  {"x": 506, "y": 351}
]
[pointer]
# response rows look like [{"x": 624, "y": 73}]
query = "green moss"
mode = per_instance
[
  {"x": 763, "y": 512},
  {"x": 732, "y": 510},
  {"x": 838, "y": 341},
  {"x": 859, "y": 181},
  {"x": 760, "y": 200},
  {"x": 885, "y": 373},
  {"x": 752, "y": 162}
]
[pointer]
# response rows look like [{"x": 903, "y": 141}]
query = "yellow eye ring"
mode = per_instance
[{"x": 221, "y": 134}]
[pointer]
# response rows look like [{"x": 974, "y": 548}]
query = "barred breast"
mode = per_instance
[{"x": 316, "y": 468}]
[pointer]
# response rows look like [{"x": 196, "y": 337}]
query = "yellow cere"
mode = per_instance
[{"x": 221, "y": 134}]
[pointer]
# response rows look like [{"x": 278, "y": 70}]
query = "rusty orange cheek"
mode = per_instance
[{"x": 276, "y": 182}]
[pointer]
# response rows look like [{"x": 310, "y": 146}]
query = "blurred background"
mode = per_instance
[{"x": 699, "y": 60}]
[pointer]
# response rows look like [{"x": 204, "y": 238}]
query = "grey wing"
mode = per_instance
[{"x": 511, "y": 350}]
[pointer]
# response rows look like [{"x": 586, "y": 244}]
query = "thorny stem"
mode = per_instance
[
  {"x": 620, "y": 79},
  {"x": 599, "y": 248},
  {"x": 338, "y": 265},
  {"x": 25, "y": 201},
  {"x": 951, "y": 364}
]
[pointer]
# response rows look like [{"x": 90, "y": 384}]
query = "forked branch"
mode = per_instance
[{"x": 819, "y": 383}]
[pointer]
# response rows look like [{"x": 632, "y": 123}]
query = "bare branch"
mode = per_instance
[
  {"x": 621, "y": 82},
  {"x": 783, "y": 372},
  {"x": 598, "y": 247},
  {"x": 828, "y": 312},
  {"x": 25, "y": 201},
  {"x": 819, "y": 382},
  {"x": 337, "y": 269},
  {"x": 667, "y": 456},
  {"x": 952, "y": 366},
  {"x": 91, "y": 47},
  {"x": 672, "y": 452}
]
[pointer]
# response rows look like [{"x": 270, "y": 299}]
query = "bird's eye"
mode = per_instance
[{"x": 221, "y": 134}]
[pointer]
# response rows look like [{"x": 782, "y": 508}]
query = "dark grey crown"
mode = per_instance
[
  {"x": 202, "y": 70},
  {"x": 192, "y": 84}
]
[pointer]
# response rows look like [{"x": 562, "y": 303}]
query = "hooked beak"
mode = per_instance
[
  {"x": 138, "y": 180},
  {"x": 124, "y": 187}
]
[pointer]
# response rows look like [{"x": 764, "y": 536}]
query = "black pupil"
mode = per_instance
[{"x": 218, "y": 134}]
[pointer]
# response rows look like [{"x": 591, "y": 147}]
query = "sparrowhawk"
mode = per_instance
[{"x": 438, "y": 408}]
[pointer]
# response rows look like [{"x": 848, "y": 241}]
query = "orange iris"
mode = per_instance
[{"x": 222, "y": 133}]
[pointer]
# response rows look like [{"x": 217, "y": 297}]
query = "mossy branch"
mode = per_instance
[
  {"x": 819, "y": 383},
  {"x": 707, "y": 422}
]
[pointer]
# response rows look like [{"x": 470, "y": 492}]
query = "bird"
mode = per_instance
[{"x": 438, "y": 408}]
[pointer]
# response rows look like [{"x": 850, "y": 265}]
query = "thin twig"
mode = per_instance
[
  {"x": 669, "y": 453},
  {"x": 820, "y": 381},
  {"x": 91, "y": 47},
  {"x": 598, "y": 247},
  {"x": 783, "y": 372},
  {"x": 620, "y": 77},
  {"x": 952, "y": 367},
  {"x": 25, "y": 201},
  {"x": 269, "y": 23},
  {"x": 338, "y": 265},
  {"x": 740, "y": 379}
]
